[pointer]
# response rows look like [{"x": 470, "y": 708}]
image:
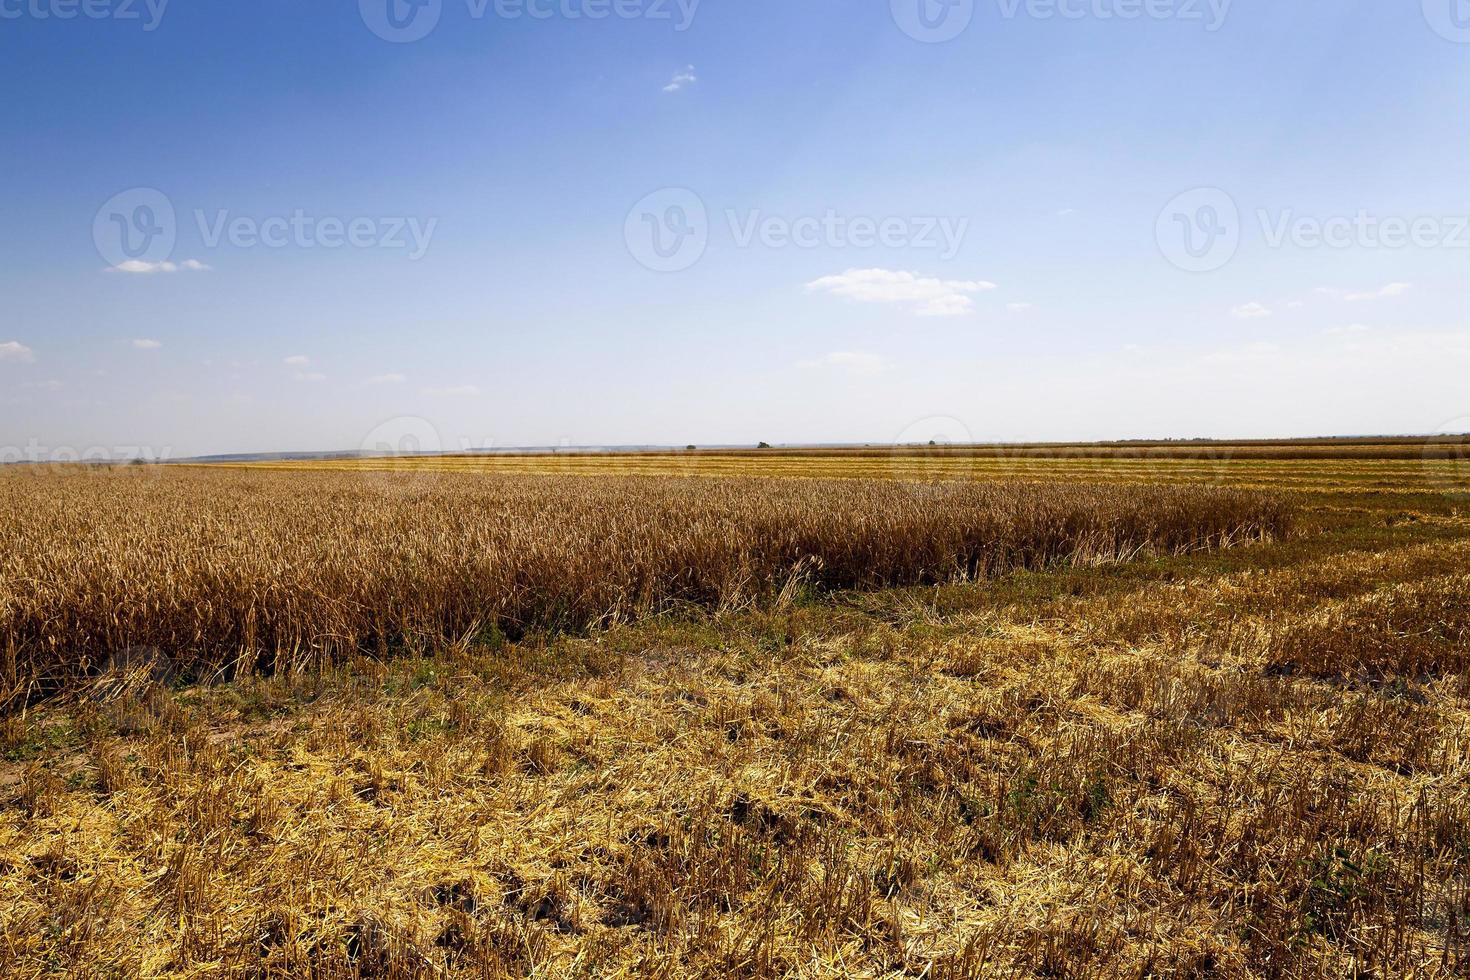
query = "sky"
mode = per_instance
[{"x": 467, "y": 224}]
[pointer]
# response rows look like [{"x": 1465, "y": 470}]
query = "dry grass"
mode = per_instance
[
  {"x": 1233, "y": 763},
  {"x": 1417, "y": 630}
]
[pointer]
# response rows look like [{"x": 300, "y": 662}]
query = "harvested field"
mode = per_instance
[
  {"x": 1334, "y": 468},
  {"x": 1250, "y": 761}
]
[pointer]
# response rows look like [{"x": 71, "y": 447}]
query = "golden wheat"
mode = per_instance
[{"x": 215, "y": 569}]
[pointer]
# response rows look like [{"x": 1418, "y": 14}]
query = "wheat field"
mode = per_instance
[
  {"x": 224, "y": 571},
  {"x": 758, "y": 716}
]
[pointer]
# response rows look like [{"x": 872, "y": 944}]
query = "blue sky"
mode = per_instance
[{"x": 879, "y": 236}]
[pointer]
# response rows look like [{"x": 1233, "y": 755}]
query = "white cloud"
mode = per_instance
[
  {"x": 1250, "y": 311},
  {"x": 453, "y": 391},
  {"x": 139, "y": 267},
  {"x": 297, "y": 360},
  {"x": 310, "y": 377},
  {"x": 14, "y": 350},
  {"x": 1391, "y": 290},
  {"x": 52, "y": 385},
  {"x": 1066, "y": 212},
  {"x": 144, "y": 343},
  {"x": 387, "y": 379},
  {"x": 1295, "y": 304},
  {"x": 1346, "y": 331},
  {"x": 1020, "y": 307},
  {"x": 681, "y": 80},
  {"x": 926, "y": 296},
  {"x": 860, "y": 363}
]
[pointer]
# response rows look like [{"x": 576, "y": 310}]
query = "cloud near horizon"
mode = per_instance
[
  {"x": 14, "y": 350},
  {"x": 1392, "y": 289},
  {"x": 1250, "y": 311},
  {"x": 923, "y": 295},
  {"x": 1358, "y": 296}
]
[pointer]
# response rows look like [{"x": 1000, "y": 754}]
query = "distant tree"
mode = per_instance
[
  {"x": 933, "y": 443},
  {"x": 764, "y": 445},
  {"x": 691, "y": 447}
]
